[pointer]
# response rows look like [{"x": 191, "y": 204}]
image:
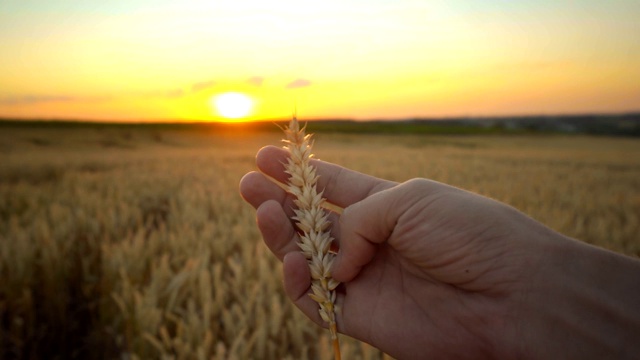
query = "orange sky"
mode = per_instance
[{"x": 165, "y": 60}]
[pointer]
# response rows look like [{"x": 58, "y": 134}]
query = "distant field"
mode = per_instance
[
  {"x": 623, "y": 124},
  {"x": 133, "y": 241}
]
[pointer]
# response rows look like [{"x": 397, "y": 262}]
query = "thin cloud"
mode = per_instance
[
  {"x": 256, "y": 80},
  {"x": 535, "y": 65},
  {"x": 170, "y": 94},
  {"x": 175, "y": 93},
  {"x": 33, "y": 99},
  {"x": 298, "y": 83},
  {"x": 199, "y": 86},
  {"x": 39, "y": 99}
]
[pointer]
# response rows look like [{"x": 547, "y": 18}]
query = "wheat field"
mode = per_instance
[{"x": 133, "y": 243}]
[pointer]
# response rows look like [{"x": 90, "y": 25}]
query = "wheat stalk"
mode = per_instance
[{"x": 313, "y": 223}]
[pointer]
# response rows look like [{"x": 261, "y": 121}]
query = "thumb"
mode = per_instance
[{"x": 366, "y": 224}]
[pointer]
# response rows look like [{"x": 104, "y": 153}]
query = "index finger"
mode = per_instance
[{"x": 341, "y": 186}]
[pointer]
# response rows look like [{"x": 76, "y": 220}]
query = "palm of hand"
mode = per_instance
[
  {"x": 427, "y": 267},
  {"x": 435, "y": 293}
]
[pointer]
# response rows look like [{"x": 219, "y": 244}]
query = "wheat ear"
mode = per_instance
[{"x": 313, "y": 223}]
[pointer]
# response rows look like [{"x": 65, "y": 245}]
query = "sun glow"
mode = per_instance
[
  {"x": 232, "y": 105},
  {"x": 125, "y": 61}
]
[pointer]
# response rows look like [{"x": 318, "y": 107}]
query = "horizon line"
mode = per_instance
[{"x": 281, "y": 119}]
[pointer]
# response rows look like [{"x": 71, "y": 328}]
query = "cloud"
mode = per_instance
[
  {"x": 39, "y": 99},
  {"x": 535, "y": 65},
  {"x": 174, "y": 93},
  {"x": 170, "y": 94},
  {"x": 199, "y": 86},
  {"x": 298, "y": 83},
  {"x": 33, "y": 99},
  {"x": 256, "y": 80}
]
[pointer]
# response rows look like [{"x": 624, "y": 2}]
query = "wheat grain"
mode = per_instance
[{"x": 312, "y": 221}]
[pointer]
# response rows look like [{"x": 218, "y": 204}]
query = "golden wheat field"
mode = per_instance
[{"x": 133, "y": 243}]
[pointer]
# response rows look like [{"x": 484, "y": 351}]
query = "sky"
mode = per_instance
[{"x": 138, "y": 60}]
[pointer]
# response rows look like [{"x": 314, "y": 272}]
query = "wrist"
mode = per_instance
[{"x": 582, "y": 302}]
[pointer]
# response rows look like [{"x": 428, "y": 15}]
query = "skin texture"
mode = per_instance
[{"x": 432, "y": 271}]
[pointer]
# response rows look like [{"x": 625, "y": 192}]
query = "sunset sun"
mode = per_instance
[{"x": 232, "y": 105}]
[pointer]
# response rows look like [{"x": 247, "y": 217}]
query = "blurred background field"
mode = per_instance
[{"x": 126, "y": 241}]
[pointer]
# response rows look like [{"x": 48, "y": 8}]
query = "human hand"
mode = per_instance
[{"x": 429, "y": 270}]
